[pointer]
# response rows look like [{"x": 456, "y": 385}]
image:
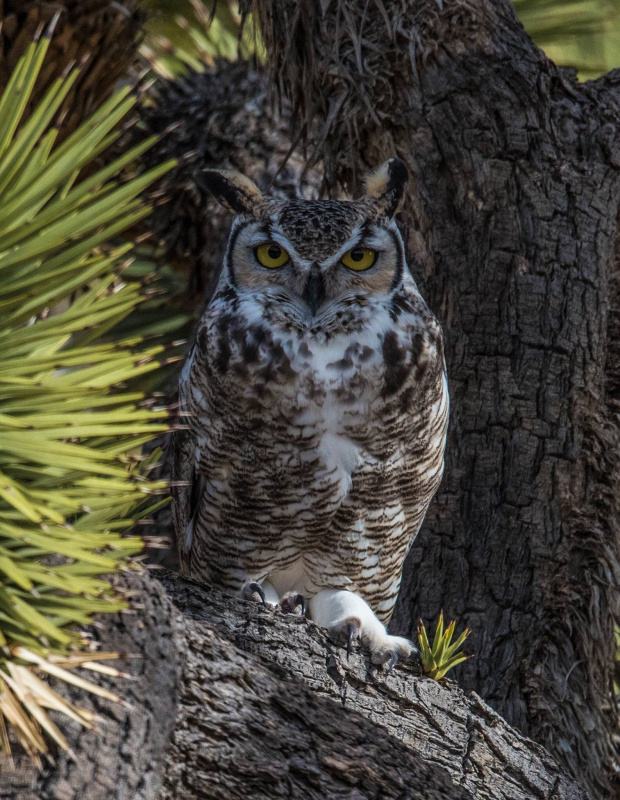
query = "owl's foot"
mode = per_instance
[
  {"x": 262, "y": 592},
  {"x": 348, "y": 614},
  {"x": 384, "y": 649},
  {"x": 251, "y": 590},
  {"x": 352, "y": 628},
  {"x": 390, "y": 650},
  {"x": 291, "y": 602}
]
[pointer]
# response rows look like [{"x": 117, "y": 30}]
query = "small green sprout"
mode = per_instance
[{"x": 443, "y": 655}]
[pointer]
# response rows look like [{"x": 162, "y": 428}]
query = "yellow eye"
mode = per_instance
[
  {"x": 359, "y": 259},
  {"x": 271, "y": 255}
]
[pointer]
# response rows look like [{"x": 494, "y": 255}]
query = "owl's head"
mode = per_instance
[{"x": 318, "y": 251}]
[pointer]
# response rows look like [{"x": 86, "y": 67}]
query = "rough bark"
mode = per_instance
[
  {"x": 122, "y": 757},
  {"x": 236, "y": 701},
  {"x": 511, "y": 222}
]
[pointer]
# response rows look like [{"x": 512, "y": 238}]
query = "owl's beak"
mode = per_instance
[{"x": 314, "y": 292}]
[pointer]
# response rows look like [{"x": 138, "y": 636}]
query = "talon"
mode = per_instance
[
  {"x": 289, "y": 603},
  {"x": 390, "y": 651},
  {"x": 393, "y": 661},
  {"x": 353, "y": 629},
  {"x": 254, "y": 588}
]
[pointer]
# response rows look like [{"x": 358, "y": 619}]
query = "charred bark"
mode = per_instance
[
  {"x": 511, "y": 223},
  {"x": 235, "y": 701}
]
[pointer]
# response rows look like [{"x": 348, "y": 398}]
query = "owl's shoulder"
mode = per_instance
[{"x": 412, "y": 346}]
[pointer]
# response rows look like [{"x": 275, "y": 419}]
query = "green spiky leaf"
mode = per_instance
[
  {"x": 193, "y": 33},
  {"x": 73, "y": 479},
  {"x": 443, "y": 655}
]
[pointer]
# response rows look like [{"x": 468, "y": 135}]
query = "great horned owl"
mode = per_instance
[{"x": 316, "y": 403}]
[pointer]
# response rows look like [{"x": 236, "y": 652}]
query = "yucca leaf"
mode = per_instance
[
  {"x": 85, "y": 193},
  {"x": 181, "y": 33},
  {"x": 22, "y": 693},
  {"x": 38, "y": 624},
  {"x": 423, "y": 637},
  {"x": 32, "y": 131},
  {"x": 32, "y": 166},
  {"x": 439, "y": 652},
  {"x": 27, "y": 733},
  {"x": 72, "y": 477},
  {"x": 14, "y": 497},
  {"x": 13, "y": 572},
  {"x": 438, "y": 633},
  {"x": 19, "y": 93},
  {"x": 450, "y": 651},
  {"x": 442, "y": 671},
  {"x": 439, "y": 659}
]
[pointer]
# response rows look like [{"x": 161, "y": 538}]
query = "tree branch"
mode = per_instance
[{"x": 260, "y": 704}]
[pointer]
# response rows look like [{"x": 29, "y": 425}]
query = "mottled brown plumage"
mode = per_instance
[{"x": 318, "y": 407}]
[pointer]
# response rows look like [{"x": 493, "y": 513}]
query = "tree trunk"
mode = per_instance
[
  {"x": 236, "y": 701},
  {"x": 511, "y": 225}
]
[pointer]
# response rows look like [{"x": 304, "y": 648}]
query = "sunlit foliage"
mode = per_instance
[
  {"x": 73, "y": 478},
  {"x": 584, "y": 34}
]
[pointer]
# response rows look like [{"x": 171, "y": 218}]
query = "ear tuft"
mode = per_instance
[
  {"x": 386, "y": 186},
  {"x": 233, "y": 190}
]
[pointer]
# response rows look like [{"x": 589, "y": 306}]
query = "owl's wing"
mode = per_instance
[
  {"x": 186, "y": 489},
  {"x": 187, "y": 484},
  {"x": 424, "y": 409}
]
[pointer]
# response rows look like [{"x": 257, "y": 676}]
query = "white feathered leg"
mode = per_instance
[{"x": 345, "y": 612}]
